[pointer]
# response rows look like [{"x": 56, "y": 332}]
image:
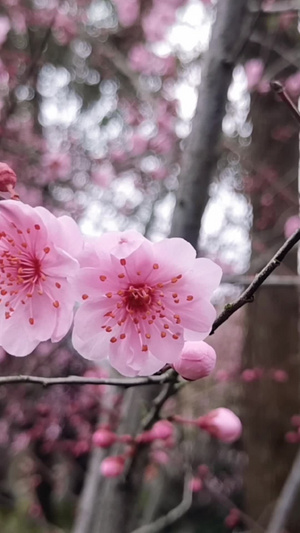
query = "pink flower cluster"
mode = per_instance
[
  {"x": 143, "y": 304},
  {"x": 141, "y": 301}
]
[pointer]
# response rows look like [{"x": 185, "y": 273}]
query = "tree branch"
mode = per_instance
[
  {"x": 173, "y": 515},
  {"x": 78, "y": 380},
  {"x": 248, "y": 295}
]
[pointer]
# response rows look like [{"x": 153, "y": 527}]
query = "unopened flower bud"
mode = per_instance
[
  {"x": 162, "y": 430},
  {"x": 233, "y": 518},
  {"x": 8, "y": 180},
  {"x": 195, "y": 484},
  {"x": 222, "y": 424},
  {"x": 197, "y": 360},
  {"x": 103, "y": 438},
  {"x": 112, "y": 466}
]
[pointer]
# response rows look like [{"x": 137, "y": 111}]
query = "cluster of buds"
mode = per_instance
[
  {"x": 220, "y": 423},
  {"x": 104, "y": 438},
  {"x": 293, "y": 437}
]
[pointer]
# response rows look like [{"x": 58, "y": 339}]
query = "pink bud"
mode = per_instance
[
  {"x": 197, "y": 360},
  {"x": 8, "y": 179},
  {"x": 103, "y": 438},
  {"x": 160, "y": 457},
  {"x": 233, "y": 518},
  {"x": 292, "y": 224},
  {"x": 281, "y": 376},
  {"x": 249, "y": 375},
  {"x": 162, "y": 430},
  {"x": 291, "y": 437},
  {"x": 195, "y": 484},
  {"x": 145, "y": 438},
  {"x": 112, "y": 466},
  {"x": 222, "y": 424},
  {"x": 295, "y": 420}
]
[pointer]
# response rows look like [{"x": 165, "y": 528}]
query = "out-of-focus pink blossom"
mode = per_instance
[
  {"x": 138, "y": 145},
  {"x": 197, "y": 360},
  {"x": 159, "y": 174},
  {"x": 142, "y": 300},
  {"x": 292, "y": 437},
  {"x": 4, "y": 29},
  {"x": 233, "y": 519},
  {"x": 160, "y": 457},
  {"x": 104, "y": 438},
  {"x": 143, "y": 60},
  {"x": 162, "y": 143},
  {"x": 37, "y": 265},
  {"x": 292, "y": 85},
  {"x": 56, "y": 166},
  {"x": 163, "y": 429},
  {"x": 222, "y": 424},
  {"x": 279, "y": 375},
  {"x": 222, "y": 376},
  {"x": 249, "y": 375},
  {"x": 295, "y": 420},
  {"x": 254, "y": 69},
  {"x": 103, "y": 175},
  {"x": 292, "y": 224},
  {"x": 195, "y": 484},
  {"x": 112, "y": 466},
  {"x": 128, "y": 11},
  {"x": 8, "y": 179},
  {"x": 156, "y": 23}
]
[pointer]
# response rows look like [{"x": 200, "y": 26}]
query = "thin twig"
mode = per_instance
[
  {"x": 279, "y": 89},
  {"x": 248, "y": 295},
  {"x": 159, "y": 401},
  {"x": 286, "y": 499},
  {"x": 78, "y": 380},
  {"x": 172, "y": 516}
]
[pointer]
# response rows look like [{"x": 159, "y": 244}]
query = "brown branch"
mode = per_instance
[
  {"x": 172, "y": 516},
  {"x": 248, "y": 295},
  {"x": 78, "y": 380},
  {"x": 280, "y": 91}
]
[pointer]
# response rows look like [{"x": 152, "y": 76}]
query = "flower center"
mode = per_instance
[
  {"x": 138, "y": 299},
  {"x": 29, "y": 270}
]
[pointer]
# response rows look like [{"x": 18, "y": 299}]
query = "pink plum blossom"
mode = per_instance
[
  {"x": 197, "y": 360},
  {"x": 128, "y": 11},
  {"x": 104, "y": 438},
  {"x": 103, "y": 175},
  {"x": 292, "y": 85},
  {"x": 222, "y": 424},
  {"x": 254, "y": 69},
  {"x": 141, "y": 301},
  {"x": 112, "y": 466},
  {"x": 292, "y": 224},
  {"x": 4, "y": 29},
  {"x": 56, "y": 165},
  {"x": 37, "y": 260},
  {"x": 163, "y": 429},
  {"x": 195, "y": 484}
]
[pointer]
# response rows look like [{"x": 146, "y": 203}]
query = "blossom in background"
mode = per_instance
[
  {"x": 37, "y": 262},
  {"x": 222, "y": 424},
  {"x": 292, "y": 224},
  {"x": 4, "y": 29},
  {"x": 254, "y": 69},
  {"x": 141, "y": 301}
]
